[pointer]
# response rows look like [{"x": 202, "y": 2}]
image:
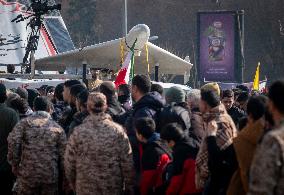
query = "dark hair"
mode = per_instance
[
  {"x": 276, "y": 95},
  {"x": 173, "y": 132},
  {"x": 70, "y": 83},
  {"x": 210, "y": 97},
  {"x": 3, "y": 93},
  {"x": 125, "y": 89},
  {"x": 32, "y": 95},
  {"x": 82, "y": 97},
  {"x": 10, "y": 68},
  {"x": 145, "y": 126},
  {"x": 227, "y": 93},
  {"x": 108, "y": 89},
  {"x": 158, "y": 88},
  {"x": 243, "y": 88},
  {"x": 76, "y": 89},
  {"x": 243, "y": 96},
  {"x": 42, "y": 103},
  {"x": 49, "y": 89},
  {"x": 142, "y": 82},
  {"x": 58, "y": 92},
  {"x": 256, "y": 106},
  {"x": 19, "y": 104}
]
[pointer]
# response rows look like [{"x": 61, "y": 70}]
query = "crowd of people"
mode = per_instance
[{"x": 141, "y": 139}]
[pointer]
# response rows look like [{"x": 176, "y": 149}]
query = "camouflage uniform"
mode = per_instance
[
  {"x": 36, "y": 149},
  {"x": 267, "y": 169},
  {"x": 94, "y": 84},
  {"x": 98, "y": 157}
]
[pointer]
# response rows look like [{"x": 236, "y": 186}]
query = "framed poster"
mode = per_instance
[{"x": 218, "y": 46}]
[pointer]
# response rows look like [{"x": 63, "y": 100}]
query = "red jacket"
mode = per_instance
[
  {"x": 183, "y": 176},
  {"x": 154, "y": 158}
]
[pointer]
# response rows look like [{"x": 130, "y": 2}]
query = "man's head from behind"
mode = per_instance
[
  {"x": 66, "y": 89},
  {"x": 276, "y": 101},
  {"x": 108, "y": 89},
  {"x": 172, "y": 133},
  {"x": 256, "y": 108},
  {"x": 3, "y": 93},
  {"x": 228, "y": 98},
  {"x": 42, "y": 104},
  {"x": 145, "y": 128},
  {"x": 74, "y": 91},
  {"x": 209, "y": 100},
  {"x": 158, "y": 88},
  {"x": 141, "y": 85},
  {"x": 193, "y": 98}
]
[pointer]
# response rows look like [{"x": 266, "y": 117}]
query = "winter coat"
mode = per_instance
[
  {"x": 221, "y": 164},
  {"x": 245, "y": 145},
  {"x": 78, "y": 119},
  {"x": 67, "y": 118},
  {"x": 148, "y": 106},
  {"x": 98, "y": 157},
  {"x": 236, "y": 114},
  {"x": 115, "y": 110},
  {"x": 59, "y": 109},
  {"x": 36, "y": 149},
  {"x": 225, "y": 133},
  {"x": 267, "y": 168},
  {"x": 196, "y": 131},
  {"x": 174, "y": 113},
  {"x": 8, "y": 120},
  {"x": 155, "y": 156},
  {"x": 183, "y": 169}
]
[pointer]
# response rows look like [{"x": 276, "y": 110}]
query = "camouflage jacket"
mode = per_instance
[
  {"x": 98, "y": 157},
  {"x": 267, "y": 169},
  {"x": 36, "y": 149}
]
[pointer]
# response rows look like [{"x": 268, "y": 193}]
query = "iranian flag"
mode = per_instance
[{"x": 126, "y": 72}]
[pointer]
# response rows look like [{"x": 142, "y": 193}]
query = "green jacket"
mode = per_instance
[{"x": 8, "y": 119}]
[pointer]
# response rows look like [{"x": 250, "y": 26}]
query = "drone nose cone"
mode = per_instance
[
  {"x": 142, "y": 28},
  {"x": 141, "y": 32}
]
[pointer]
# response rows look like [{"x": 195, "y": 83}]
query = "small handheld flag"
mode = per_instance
[{"x": 256, "y": 78}]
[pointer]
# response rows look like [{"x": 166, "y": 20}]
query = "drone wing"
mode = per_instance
[
  {"x": 102, "y": 55},
  {"x": 107, "y": 55}
]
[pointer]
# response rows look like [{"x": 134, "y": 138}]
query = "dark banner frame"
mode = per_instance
[{"x": 239, "y": 60}]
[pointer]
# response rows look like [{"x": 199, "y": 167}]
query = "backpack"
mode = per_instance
[{"x": 173, "y": 113}]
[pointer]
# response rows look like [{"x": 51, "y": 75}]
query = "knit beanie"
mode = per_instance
[
  {"x": 211, "y": 87},
  {"x": 175, "y": 94}
]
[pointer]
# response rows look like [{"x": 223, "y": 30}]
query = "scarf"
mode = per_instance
[{"x": 224, "y": 138}]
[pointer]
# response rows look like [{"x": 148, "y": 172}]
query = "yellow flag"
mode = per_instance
[{"x": 256, "y": 78}]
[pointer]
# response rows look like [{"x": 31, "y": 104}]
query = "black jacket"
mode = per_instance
[
  {"x": 222, "y": 164},
  {"x": 67, "y": 118},
  {"x": 115, "y": 110},
  {"x": 8, "y": 120},
  {"x": 236, "y": 114},
  {"x": 174, "y": 113},
  {"x": 78, "y": 119},
  {"x": 148, "y": 106}
]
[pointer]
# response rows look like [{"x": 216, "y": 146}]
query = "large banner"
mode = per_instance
[
  {"x": 54, "y": 37},
  {"x": 217, "y": 48}
]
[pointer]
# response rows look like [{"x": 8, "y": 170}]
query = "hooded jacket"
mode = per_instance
[{"x": 148, "y": 106}]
